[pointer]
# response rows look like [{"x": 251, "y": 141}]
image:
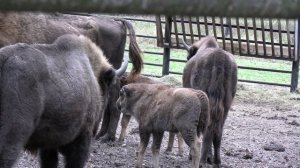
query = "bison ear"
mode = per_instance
[{"x": 192, "y": 51}]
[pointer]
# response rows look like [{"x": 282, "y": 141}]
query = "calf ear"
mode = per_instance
[{"x": 125, "y": 91}]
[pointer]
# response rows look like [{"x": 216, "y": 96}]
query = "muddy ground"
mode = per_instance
[{"x": 262, "y": 130}]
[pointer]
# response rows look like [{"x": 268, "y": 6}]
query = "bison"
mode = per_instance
[
  {"x": 158, "y": 108},
  {"x": 126, "y": 118},
  {"x": 109, "y": 33},
  {"x": 51, "y": 100},
  {"x": 214, "y": 71}
]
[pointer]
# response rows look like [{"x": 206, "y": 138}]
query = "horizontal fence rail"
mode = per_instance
[
  {"x": 252, "y": 37},
  {"x": 264, "y": 38},
  {"x": 234, "y": 8}
]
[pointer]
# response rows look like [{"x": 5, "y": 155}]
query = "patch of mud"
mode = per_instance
[{"x": 261, "y": 130}]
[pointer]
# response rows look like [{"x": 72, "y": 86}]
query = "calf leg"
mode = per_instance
[
  {"x": 157, "y": 138},
  {"x": 48, "y": 158},
  {"x": 124, "y": 123},
  {"x": 76, "y": 153},
  {"x": 192, "y": 140},
  {"x": 144, "y": 140}
]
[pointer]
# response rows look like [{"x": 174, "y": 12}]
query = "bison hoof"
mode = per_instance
[
  {"x": 216, "y": 165},
  {"x": 168, "y": 150},
  {"x": 100, "y": 134},
  {"x": 205, "y": 165},
  {"x": 210, "y": 159},
  {"x": 106, "y": 138}
]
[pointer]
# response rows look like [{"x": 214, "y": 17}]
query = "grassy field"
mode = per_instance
[{"x": 145, "y": 28}]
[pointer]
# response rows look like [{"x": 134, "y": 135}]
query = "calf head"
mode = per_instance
[
  {"x": 128, "y": 99},
  {"x": 203, "y": 43}
]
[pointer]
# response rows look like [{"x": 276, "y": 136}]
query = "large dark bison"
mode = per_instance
[
  {"x": 51, "y": 100},
  {"x": 109, "y": 33},
  {"x": 214, "y": 71},
  {"x": 158, "y": 108}
]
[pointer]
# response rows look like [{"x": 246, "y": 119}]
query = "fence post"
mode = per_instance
[
  {"x": 295, "y": 66},
  {"x": 167, "y": 46}
]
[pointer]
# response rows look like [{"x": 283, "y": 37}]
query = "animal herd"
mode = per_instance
[{"x": 62, "y": 76}]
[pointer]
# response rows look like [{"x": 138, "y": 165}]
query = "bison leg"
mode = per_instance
[
  {"x": 180, "y": 143},
  {"x": 105, "y": 123},
  {"x": 170, "y": 142},
  {"x": 14, "y": 132},
  {"x": 217, "y": 146},
  {"x": 206, "y": 146},
  {"x": 144, "y": 140},
  {"x": 157, "y": 138},
  {"x": 124, "y": 123},
  {"x": 48, "y": 158},
  {"x": 76, "y": 153}
]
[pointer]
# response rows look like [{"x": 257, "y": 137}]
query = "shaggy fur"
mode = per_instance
[
  {"x": 109, "y": 33},
  {"x": 51, "y": 100},
  {"x": 213, "y": 71},
  {"x": 158, "y": 108}
]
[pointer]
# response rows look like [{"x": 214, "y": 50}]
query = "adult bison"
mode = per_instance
[
  {"x": 109, "y": 33},
  {"x": 51, "y": 100},
  {"x": 214, "y": 71},
  {"x": 158, "y": 108}
]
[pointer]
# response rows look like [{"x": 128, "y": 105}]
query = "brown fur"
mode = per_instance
[
  {"x": 108, "y": 33},
  {"x": 158, "y": 108},
  {"x": 51, "y": 100},
  {"x": 125, "y": 81},
  {"x": 213, "y": 71}
]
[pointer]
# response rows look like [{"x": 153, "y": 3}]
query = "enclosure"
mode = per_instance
[{"x": 262, "y": 129}]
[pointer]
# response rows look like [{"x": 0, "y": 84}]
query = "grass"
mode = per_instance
[{"x": 146, "y": 28}]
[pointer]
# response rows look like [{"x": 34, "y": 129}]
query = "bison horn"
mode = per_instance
[
  {"x": 123, "y": 67},
  {"x": 187, "y": 47}
]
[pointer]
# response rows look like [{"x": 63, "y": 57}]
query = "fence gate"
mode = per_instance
[{"x": 252, "y": 37}]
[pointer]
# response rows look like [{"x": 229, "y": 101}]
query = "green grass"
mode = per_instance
[{"x": 150, "y": 45}]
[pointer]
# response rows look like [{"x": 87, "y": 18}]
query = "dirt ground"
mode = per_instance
[{"x": 262, "y": 130}]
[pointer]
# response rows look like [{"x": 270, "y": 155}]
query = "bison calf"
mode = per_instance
[{"x": 158, "y": 108}]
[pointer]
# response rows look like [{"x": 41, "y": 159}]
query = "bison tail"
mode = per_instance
[
  {"x": 216, "y": 91},
  {"x": 134, "y": 50},
  {"x": 204, "y": 119}
]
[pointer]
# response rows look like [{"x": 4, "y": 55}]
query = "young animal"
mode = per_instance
[
  {"x": 214, "y": 71},
  {"x": 158, "y": 108},
  {"x": 126, "y": 118}
]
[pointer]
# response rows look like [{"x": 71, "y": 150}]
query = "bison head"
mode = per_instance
[{"x": 203, "y": 43}]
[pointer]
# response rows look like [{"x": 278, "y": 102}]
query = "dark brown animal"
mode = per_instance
[
  {"x": 158, "y": 108},
  {"x": 51, "y": 100},
  {"x": 214, "y": 71},
  {"x": 109, "y": 33}
]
